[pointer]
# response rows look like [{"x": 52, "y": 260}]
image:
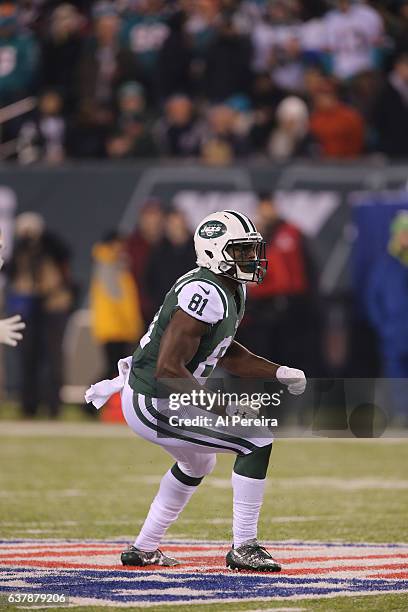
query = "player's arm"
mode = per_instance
[
  {"x": 178, "y": 346},
  {"x": 198, "y": 307},
  {"x": 239, "y": 361}
]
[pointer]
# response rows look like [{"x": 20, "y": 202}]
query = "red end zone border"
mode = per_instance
[{"x": 89, "y": 572}]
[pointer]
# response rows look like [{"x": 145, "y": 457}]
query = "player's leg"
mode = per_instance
[
  {"x": 176, "y": 488},
  {"x": 147, "y": 418},
  {"x": 249, "y": 472},
  {"x": 248, "y": 484}
]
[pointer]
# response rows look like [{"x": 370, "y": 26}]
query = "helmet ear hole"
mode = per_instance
[
  {"x": 224, "y": 267},
  {"x": 209, "y": 254}
]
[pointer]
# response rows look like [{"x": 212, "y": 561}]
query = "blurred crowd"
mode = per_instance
[{"x": 216, "y": 80}]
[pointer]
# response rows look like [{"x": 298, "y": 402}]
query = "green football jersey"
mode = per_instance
[{"x": 201, "y": 294}]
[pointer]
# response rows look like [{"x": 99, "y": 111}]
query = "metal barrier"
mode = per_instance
[{"x": 12, "y": 111}]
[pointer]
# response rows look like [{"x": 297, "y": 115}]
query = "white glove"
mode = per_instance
[
  {"x": 9, "y": 330},
  {"x": 294, "y": 379}
]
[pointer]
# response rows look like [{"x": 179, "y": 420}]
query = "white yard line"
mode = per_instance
[
  {"x": 341, "y": 484},
  {"x": 326, "y": 482},
  {"x": 59, "y": 525},
  {"x": 276, "y": 610},
  {"x": 63, "y": 429},
  {"x": 102, "y": 430}
]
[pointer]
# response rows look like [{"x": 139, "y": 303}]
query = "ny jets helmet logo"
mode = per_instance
[{"x": 212, "y": 229}]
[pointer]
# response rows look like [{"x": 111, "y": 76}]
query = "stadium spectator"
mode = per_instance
[
  {"x": 281, "y": 318},
  {"x": 401, "y": 33},
  {"x": 143, "y": 32},
  {"x": 315, "y": 81},
  {"x": 387, "y": 303},
  {"x": 311, "y": 9},
  {"x": 144, "y": 238},
  {"x": 179, "y": 133},
  {"x": 291, "y": 137},
  {"x": 355, "y": 36},
  {"x": 288, "y": 65},
  {"x": 266, "y": 96},
  {"x": 174, "y": 62},
  {"x": 271, "y": 33},
  {"x": 172, "y": 257},
  {"x": 227, "y": 63},
  {"x": 116, "y": 317},
  {"x": 201, "y": 26},
  {"x": 103, "y": 67},
  {"x": 41, "y": 290},
  {"x": 337, "y": 127},
  {"x": 362, "y": 94},
  {"x": 61, "y": 51},
  {"x": 391, "y": 112},
  {"x": 18, "y": 58},
  {"x": 225, "y": 140},
  {"x": 312, "y": 32},
  {"x": 42, "y": 136},
  {"x": 395, "y": 18},
  {"x": 133, "y": 129},
  {"x": 284, "y": 46},
  {"x": 265, "y": 93}
]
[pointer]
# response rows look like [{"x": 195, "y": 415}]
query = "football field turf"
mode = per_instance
[{"x": 328, "y": 504}]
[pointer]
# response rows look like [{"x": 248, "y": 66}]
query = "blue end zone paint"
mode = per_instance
[
  {"x": 35, "y": 564},
  {"x": 112, "y": 586}
]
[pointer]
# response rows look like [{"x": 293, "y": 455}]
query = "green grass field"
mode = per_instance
[{"x": 95, "y": 481}]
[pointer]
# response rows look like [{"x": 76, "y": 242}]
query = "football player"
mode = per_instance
[
  {"x": 191, "y": 333},
  {"x": 10, "y": 329}
]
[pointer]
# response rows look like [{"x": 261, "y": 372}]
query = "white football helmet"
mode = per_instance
[{"x": 228, "y": 243}]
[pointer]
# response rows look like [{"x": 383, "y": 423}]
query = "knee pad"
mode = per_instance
[
  {"x": 198, "y": 465},
  {"x": 255, "y": 464}
]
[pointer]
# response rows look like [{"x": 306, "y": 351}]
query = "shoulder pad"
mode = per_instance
[{"x": 203, "y": 300}]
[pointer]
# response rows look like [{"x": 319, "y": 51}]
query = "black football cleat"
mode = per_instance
[
  {"x": 251, "y": 556},
  {"x": 139, "y": 558}
]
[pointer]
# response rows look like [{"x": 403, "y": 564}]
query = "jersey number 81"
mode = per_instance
[{"x": 197, "y": 304}]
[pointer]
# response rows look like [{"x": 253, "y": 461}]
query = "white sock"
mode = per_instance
[
  {"x": 170, "y": 500},
  {"x": 248, "y": 497}
]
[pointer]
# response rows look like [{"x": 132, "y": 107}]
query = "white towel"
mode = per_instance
[{"x": 99, "y": 393}]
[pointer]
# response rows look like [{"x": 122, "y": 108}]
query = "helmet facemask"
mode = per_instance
[{"x": 244, "y": 260}]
